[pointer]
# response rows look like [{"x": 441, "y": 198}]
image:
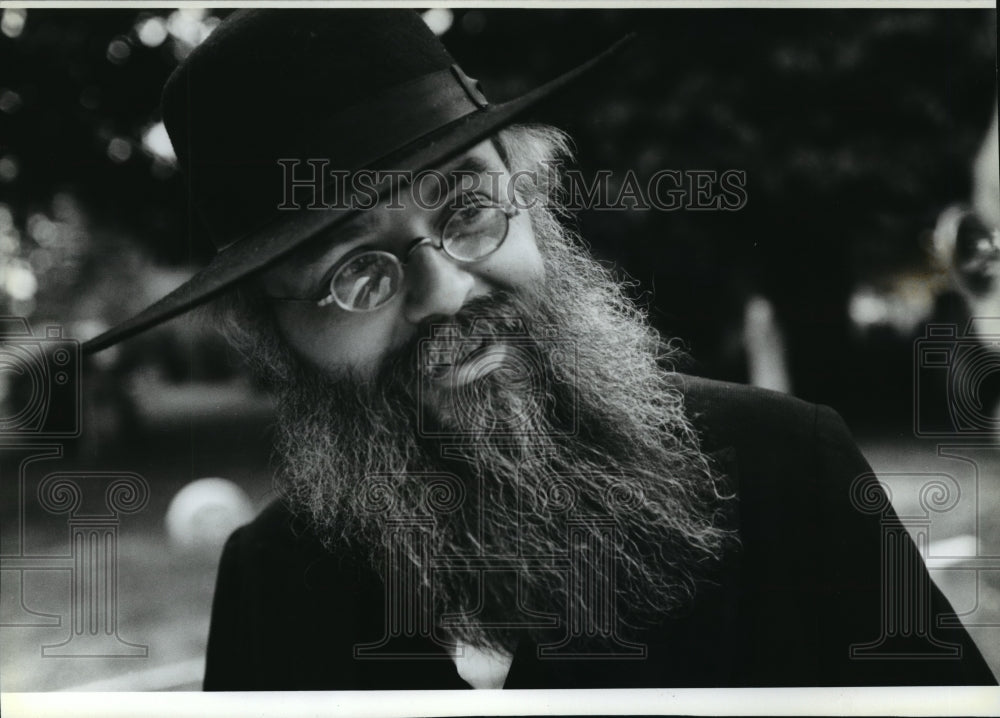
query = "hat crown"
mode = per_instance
[
  {"x": 293, "y": 84},
  {"x": 262, "y": 65}
]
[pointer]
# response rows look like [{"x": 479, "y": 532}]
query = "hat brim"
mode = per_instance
[{"x": 264, "y": 247}]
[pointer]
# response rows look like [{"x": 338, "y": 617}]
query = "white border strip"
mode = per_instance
[{"x": 915, "y": 701}]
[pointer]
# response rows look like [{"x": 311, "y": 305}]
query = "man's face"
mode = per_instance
[{"x": 434, "y": 285}]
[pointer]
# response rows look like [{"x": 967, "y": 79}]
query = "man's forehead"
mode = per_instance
[
  {"x": 469, "y": 173},
  {"x": 483, "y": 159},
  {"x": 484, "y": 155}
]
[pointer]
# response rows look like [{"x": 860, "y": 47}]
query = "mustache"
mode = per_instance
[{"x": 450, "y": 340}]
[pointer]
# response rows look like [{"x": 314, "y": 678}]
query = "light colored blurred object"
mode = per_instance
[
  {"x": 156, "y": 142},
  {"x": 189, "y": 27},
  {"x": 151, "y": 31},
  {"x": 439, "y": 19},
  {"x": 902, "y": 301},
  {"x": 203, "y": 514},
  {"x": 85, "y": 329},
  {"x": 765, "y": 346},
  {"x": 951, "y": 551},
  {"x": 986, "y": 176},
  {"x": 12, "y": 22}
]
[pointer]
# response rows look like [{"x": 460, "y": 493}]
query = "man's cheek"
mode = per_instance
[{"x": 518, "y": 263}]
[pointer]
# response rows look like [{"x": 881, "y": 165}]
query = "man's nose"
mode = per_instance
[{"x": 437, "y": 285}]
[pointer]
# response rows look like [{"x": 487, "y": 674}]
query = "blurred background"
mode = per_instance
[{"x": 868, "y": 139}]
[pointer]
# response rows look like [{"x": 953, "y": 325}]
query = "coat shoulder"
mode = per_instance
[{"x": 727, "y": 414}]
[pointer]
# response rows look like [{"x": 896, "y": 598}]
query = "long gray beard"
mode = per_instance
[{"x": 568, "y": 460}]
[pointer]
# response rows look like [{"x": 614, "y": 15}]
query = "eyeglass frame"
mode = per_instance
[{"x": 509, "y": 212}]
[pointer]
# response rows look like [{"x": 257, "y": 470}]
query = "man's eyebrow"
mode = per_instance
[
  {"x": 471, "y": 165},
  {"x": 354, "y": 226}
]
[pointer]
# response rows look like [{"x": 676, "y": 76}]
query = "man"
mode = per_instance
[{"x": 490, "y": 474}]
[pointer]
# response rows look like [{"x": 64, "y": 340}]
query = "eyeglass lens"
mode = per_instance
[{"x": 367, "y": 281}]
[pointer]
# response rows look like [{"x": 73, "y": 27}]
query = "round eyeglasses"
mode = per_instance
[{"x": 365, "y": 281}]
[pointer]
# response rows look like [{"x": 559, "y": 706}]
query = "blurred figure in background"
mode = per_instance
[
  {"x": 966, "y": 240},
  {"x": 965, "y": 245}
]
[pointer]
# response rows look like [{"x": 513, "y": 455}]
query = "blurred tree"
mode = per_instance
[{"x": 854, "y": 128}]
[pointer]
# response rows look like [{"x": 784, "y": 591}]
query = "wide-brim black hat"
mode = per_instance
[{"x": 349, "y": 90}]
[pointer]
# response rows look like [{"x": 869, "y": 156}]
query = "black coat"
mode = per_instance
[{"x": 805, "y": 586}]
